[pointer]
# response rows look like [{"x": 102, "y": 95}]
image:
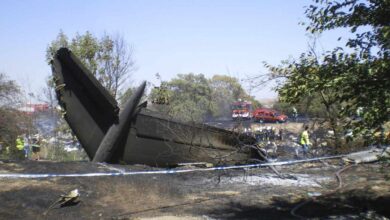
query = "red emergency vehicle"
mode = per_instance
[
  {"x": 242, "y": 110},
  {"x": 268, "y": 115}
]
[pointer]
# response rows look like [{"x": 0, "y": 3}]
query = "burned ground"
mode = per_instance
[{"x": 234, "y": 194}]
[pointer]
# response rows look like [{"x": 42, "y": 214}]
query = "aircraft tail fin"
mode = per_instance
[{"x": 88, "y": 107}]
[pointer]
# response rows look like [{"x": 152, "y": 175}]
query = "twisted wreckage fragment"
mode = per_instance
[{"x": 136, "y": 135}]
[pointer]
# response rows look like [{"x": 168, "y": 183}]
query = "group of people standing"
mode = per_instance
[
  {"x": 270, "y": 134},
  {"x": 264, "y": 133},
  {"x": 26, "y": 145}
]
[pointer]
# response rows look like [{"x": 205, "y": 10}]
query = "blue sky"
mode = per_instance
[{"x": 169, "y": 37}]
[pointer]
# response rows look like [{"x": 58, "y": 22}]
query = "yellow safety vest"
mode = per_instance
[
  {"x": 305, "y": 137},
  {"x": 19, "y": 144}
]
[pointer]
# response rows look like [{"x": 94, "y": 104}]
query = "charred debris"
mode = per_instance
[{"x": 136, "y": 135}]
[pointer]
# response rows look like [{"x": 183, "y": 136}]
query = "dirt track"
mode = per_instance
[{"x": 237, "y": 194}]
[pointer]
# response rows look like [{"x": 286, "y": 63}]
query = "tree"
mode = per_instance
[
  {"x": 304, "y": 83},
  {"x": 312, "y": 106},
  {"x": 190, "y": 97},
  {"x": 109, "y": 58},
  {"x": 117, "y": 62},
  {"x": 193, "y": 97},
  {"x": 345, "y": 81},
  {"x": 10, "y": 118},
  {"x": 9, "y": 91},
  {"x": 225, "y": 91},
  {"x": 361, "y": 78}
]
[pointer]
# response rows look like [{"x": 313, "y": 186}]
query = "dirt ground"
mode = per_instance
[{"x": 257, "y": 193}]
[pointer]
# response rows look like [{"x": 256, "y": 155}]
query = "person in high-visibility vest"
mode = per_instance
[
  {"x": 305, "y": 142},
  {"x": 19, "y": 143},
  {"x": 20, "y": 146}
]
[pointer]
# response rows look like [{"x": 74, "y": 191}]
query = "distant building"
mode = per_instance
[{"x": 31, "y": 108}]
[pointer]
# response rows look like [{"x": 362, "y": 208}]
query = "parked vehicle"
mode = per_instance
[
  {"x": 242, "y": 110},
  {"x": 268, "y": 115}
]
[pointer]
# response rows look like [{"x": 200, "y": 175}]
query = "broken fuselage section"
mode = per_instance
[{"x": 136, "y": 135}]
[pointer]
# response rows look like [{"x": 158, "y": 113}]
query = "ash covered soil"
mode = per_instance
[{"x": 234, "y": 194}]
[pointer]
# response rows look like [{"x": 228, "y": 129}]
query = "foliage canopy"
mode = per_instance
[
  {"x": 193, "y": 97},
  {"x": 109, "y": 58},
  {"x": 345, "y": 81},
  {"x": 10, "y": 118}
]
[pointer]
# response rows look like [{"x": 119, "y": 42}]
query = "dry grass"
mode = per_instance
[
  {"x": 134, "y": 195},
  {"x": 181, "y": 196}
]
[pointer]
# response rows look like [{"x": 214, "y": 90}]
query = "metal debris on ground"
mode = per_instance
[
  {"x": 196, "y": 164},
  {"x": 73, "y": 197},
  {"x": 314, "y": 194},
  {"x": 367, "y": 156}
]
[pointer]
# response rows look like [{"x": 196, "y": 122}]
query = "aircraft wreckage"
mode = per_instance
[{"x": 136, "y": 135}]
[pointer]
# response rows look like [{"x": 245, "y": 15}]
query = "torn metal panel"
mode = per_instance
[
  {"x": 367, "y": 156},
  {"x": 165, "y": 142},
  {"x": 89, "y": 109},
  {"x": 136, "y": 135},
  {"x": 117, "y": 132}
]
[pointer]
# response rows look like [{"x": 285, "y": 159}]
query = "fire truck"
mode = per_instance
[{"x": 241, "y": 110}]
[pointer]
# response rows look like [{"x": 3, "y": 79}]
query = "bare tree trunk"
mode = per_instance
[{"x": 332, "y": 120}]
